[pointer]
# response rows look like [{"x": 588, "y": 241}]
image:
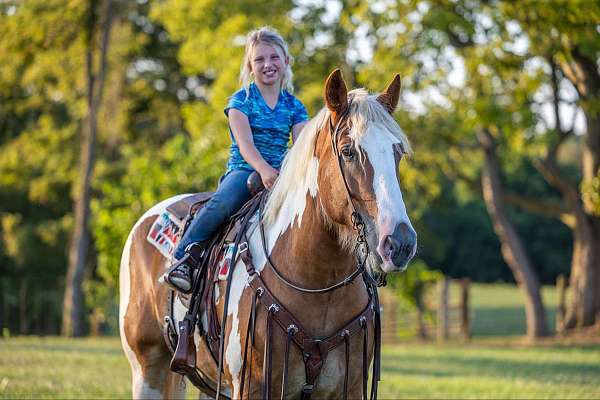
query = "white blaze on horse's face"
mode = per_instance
[{"x": 396, "y": 238}]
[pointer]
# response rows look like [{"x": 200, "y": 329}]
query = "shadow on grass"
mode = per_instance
[
  {"x": 493, "y": 367},
  {"x": 67, "y": 347}
]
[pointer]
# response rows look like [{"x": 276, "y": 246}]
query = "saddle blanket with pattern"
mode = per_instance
[{"x": 165, "y": 234}]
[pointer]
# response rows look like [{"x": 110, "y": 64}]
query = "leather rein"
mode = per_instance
[{"x": 314, "y": 351}]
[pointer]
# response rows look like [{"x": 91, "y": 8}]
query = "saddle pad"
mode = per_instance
[{"x": 165, "y": 233}]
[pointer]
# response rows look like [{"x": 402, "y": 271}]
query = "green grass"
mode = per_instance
[
  {"x": 96, "y": 368},
  {"x": 58, "y": 368},
  {"x": 497, "y": 310},
  {"x": 495, "y": 364},
  {"x": 490, "y": 371}
]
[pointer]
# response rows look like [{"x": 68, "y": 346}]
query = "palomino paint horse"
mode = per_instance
[{"x": 309, "y": 236}]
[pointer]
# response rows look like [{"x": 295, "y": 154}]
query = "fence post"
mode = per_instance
[
  {"x": 465, "y": 323},
  {"x": 420, "y": 312},
  {"x": 561, "y": 288},
  {"x": 442, "y": 317},
  {"x": 390, "y": 319}
]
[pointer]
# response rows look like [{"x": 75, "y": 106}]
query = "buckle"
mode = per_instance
[
  {"x": 242, "y": 247},
  {"x": 307, "y": 388}
]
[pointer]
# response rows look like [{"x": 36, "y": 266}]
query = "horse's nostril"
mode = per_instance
[{"x": 390, "y": 247}]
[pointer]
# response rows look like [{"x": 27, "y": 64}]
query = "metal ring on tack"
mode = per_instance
[
  {"x": 293, "y": 329},
  {"x": 273, "y": 308},
  {"x": 363, "y": 321},
  {"x": 260, "y": 291}
]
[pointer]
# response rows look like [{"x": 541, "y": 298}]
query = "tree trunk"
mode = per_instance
[
  {"x": 583, "y": 284},
  {"x": 74, "y": 302},
  {"x": 465, "y": 320},
  {"x": 420, "y": 303},
  {"x": 23, "y": 322},
  {"x": 584, "y": 306},
  {"x": 443, "y": 330},
  {"x": 513, "y": 250}
]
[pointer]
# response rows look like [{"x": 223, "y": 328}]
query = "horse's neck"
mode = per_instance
[{"x": 309, "y": 254}]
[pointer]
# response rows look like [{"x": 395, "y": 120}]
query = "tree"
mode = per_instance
[
  {"x": 39, "y": 93},
  {"x": 567, "y": 38},
  {"x": 74, "y": 302},
  {"x": 444, "y": 37}
]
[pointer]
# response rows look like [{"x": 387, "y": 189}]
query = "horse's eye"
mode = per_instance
[{"x": 348, "y": 153}]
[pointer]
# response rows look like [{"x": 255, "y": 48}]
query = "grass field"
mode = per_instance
[{"x": 491, "y": 366}]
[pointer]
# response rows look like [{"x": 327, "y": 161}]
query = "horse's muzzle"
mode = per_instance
[{"x": 397, "y": 249}]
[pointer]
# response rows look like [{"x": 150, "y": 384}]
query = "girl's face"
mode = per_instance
[{"x": 267, "y": 64}]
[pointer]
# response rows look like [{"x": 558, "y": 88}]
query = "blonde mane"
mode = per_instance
[{"x": 299, "y": 170}]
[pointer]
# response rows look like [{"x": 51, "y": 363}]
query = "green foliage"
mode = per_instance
[
  {"x": 411, "y": 285},
  {"x": 172, "y": 65}
]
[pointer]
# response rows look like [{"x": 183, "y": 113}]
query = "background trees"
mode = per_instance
[{"x": 485, "y": 83}]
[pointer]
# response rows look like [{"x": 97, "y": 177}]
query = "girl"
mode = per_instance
[{"x": 261, "y": 116}]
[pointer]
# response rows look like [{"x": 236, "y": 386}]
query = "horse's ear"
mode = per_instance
[
  {"x": 336, "y": 94},
  {"x": 390, "y": 96}
]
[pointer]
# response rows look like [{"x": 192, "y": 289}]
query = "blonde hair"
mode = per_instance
[{"x": 269, "y": 36}]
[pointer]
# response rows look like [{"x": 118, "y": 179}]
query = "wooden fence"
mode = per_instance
[{"x": 437, "y": 315}]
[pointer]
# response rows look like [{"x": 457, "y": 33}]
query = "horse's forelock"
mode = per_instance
[{"x": 366, "y": 111}]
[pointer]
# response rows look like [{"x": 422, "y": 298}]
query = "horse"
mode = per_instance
[{"x": 343, "y": 168}]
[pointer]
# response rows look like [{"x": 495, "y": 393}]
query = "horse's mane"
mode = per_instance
[{"x": 299, "y": 169}]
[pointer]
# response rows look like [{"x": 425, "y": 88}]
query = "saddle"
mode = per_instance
[{"x": 222, "y": 248}]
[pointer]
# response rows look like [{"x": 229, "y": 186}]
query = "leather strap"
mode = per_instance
[{"x": 314, "y": 350}]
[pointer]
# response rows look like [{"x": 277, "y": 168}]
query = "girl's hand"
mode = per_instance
[{"x": 268, "y": 175}]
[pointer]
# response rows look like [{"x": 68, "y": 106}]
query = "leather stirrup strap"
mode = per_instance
[
  {"x": 246, "y": 219},
  {"x": 268, "y": 354},
  {"x": 377, "y": 345},
  {"x": 365, "y": 366},
  {"x": 286, "y": 359},
  {"x": 346, "y": 335},
  {"x": 249, "y": 343}
]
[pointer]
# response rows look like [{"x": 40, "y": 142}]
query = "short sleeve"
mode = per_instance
[
  {"x": 300, "y": 114},
  {"x": 239, "y": 101}
]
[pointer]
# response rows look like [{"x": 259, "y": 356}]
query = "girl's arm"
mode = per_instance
[
  {"x": 240, "y": 127},
  {"x": 296, "y": 129}
]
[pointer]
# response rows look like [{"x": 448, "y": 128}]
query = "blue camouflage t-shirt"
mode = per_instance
[{"x": 270, "y": 127}]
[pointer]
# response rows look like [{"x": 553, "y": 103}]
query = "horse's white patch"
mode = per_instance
[
  {"x": 234, "y": 353},
  {"x": 124, "y": 293},
  {"x": 234, "y": 343},
  {"x": 139, "y": 387},
  {"x": 142, "y": 390},
  {"x": 378, "y": 145}
]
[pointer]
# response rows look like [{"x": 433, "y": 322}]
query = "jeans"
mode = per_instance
[{"x": 230, "y": 196}]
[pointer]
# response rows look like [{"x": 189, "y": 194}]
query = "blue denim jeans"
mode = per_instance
[{"x": 230, "y": 196}]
